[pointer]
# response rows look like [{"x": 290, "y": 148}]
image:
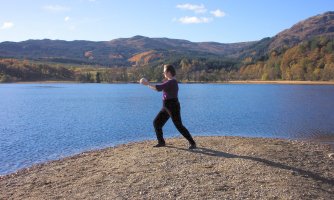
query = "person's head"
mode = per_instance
[{"x": 169, "y": 71}]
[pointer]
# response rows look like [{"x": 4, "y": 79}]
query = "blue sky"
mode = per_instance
[{"x": 224, "y": 21}]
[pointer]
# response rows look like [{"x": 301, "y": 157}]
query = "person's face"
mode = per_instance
[{"x": 166, "y": 73}]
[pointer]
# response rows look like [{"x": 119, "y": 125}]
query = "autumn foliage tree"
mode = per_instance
[{"x": 311, "y": 60}]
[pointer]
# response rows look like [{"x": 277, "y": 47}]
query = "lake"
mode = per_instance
[{"x": 41, "y": 122}]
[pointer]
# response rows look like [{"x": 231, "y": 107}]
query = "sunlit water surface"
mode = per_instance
[{"x": 40, "y": 122}]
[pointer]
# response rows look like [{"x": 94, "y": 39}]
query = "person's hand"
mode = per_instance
[
  {"x": 143, "y": 81},
  {"x": 146, "y": 83}
]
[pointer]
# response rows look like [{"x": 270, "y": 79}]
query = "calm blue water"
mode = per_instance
[{"x": 40, "y": 122}]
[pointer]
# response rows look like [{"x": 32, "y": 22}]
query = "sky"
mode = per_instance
[{"x": 224, "y": 21}]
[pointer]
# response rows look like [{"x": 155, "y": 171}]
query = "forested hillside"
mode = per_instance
[
  {"x": 311, "y": 60},
  {"x": 302, "y": 52}
]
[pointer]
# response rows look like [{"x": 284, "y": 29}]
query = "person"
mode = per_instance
[{"x": 170, "y": 107}]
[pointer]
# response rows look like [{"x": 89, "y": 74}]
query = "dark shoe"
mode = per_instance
[
  {"x": 192, "y": 146},
  {"x": 160, "y": 145}
]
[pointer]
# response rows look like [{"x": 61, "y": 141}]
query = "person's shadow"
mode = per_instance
[{"x": 215, "y": 153}]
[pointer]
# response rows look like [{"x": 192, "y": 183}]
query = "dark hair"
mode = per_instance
[{"x": 171, "y": 69}]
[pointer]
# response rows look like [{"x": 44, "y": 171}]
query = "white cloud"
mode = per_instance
[
  {"x": 196, "y": 8},
  {"x": 7, "y": 25},
  {"x": 194, "y": 20},
  {"x": 67, "y": 18},
  {"x": 56, "y": 8},
  {"x": 218, "y": 13}
]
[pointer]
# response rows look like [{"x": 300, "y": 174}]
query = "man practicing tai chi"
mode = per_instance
[{"x": 171, "y": 106}]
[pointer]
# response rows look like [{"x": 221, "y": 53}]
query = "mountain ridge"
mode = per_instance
[
  {"x": 322, "y": 24},
  {"x": 121, "y": 52}
]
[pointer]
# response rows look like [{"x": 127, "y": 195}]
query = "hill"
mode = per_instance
[
  {"x": 302, "y": 52},
  {"x": 314, "y": 27},
  {"x": 319, "y": 25},
  {"x": 118, "y": 52}
]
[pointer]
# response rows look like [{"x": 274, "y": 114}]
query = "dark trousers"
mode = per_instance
[{"x": 171, "y": 108}]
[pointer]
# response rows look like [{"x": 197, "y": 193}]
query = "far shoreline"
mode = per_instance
[{"x": 255, "y": 82}]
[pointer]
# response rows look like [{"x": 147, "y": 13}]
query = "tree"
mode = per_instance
[
  {"x": 5, "y": 78},
  {"x": 98, "y": 79},
  {"x": 297, "y": 72},
  {"x": 329, "y": 47},
  {"x": 328, "y": 72}
]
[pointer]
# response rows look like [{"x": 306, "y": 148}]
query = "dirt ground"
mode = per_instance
[{"x": 220, "y": 168}]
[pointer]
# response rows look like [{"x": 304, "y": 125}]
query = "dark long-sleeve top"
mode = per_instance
[{"x": 169, "y": 89}]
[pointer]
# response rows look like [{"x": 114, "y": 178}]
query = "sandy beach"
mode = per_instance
[{"x": 220, "y": 168}]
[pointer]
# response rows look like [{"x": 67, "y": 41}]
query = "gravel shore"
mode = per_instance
[{"x": 220, "y": 168}]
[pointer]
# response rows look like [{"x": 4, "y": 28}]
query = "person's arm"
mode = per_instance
[
  {"x": 153, "y": 87},
  {"x": 162, "y": 86},
  {"x": 158, "y": 87},
  {"x": 148, "y": 84}
]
